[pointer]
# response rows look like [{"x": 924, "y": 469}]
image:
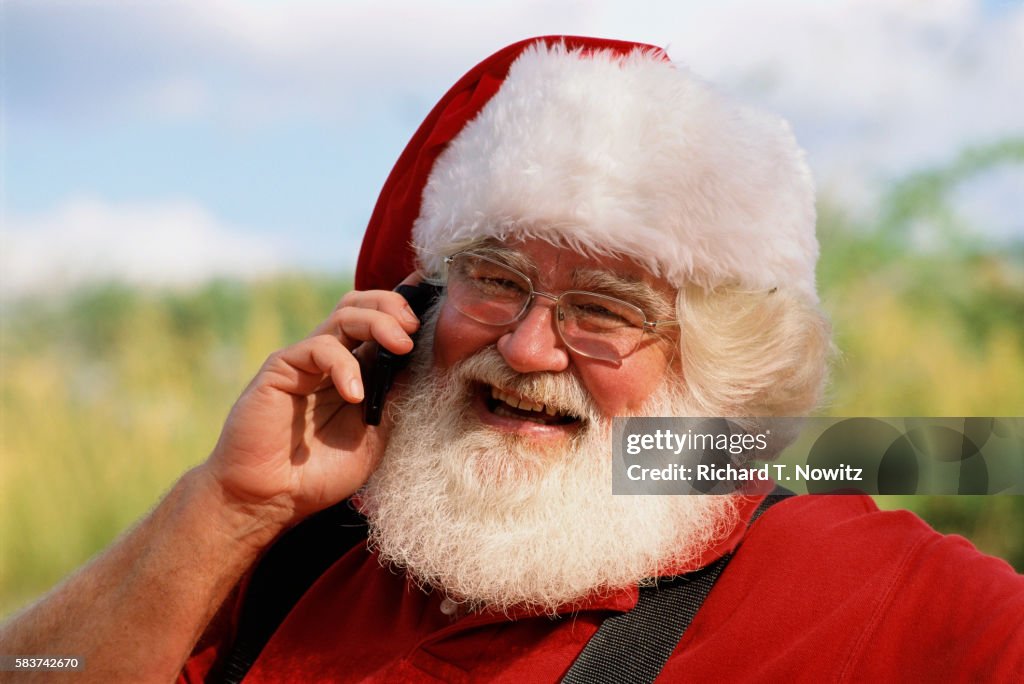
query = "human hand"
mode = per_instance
[{"x": 295, "y": 442}]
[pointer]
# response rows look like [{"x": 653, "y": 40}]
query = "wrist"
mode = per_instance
[{"x": 252, "y": 525}]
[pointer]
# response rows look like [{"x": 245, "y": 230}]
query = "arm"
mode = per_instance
[{"x": 293, "y": 444}]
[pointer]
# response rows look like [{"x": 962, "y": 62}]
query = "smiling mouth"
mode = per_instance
[{"x": 509, "y": 405}]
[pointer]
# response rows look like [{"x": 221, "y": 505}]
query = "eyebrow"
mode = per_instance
[
  {"x": 626, "y": 288},
  {"x": 507, "y": 256}
]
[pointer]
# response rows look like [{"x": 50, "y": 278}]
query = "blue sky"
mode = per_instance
[{"x": 173, "y": 140}]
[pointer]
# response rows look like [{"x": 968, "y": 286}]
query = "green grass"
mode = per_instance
[{"x": 107, "y": 396}]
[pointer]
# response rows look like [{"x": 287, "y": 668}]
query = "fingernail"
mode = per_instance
[
  {"x": 408, "y": 316},
  {"x": 355, "y": 389}
]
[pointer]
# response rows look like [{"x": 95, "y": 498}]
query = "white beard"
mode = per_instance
[{"x": 496, "y": 521}]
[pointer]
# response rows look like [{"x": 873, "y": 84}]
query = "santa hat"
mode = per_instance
[{"x": 609, "y": 148}]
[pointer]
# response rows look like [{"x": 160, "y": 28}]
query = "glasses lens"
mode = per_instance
[
  {"x": 600, "y": 327},
  {"x": 486, "y": 290}
]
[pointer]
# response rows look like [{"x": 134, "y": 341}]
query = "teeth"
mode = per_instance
[
  {"x": 502, "y": 411},
  {"x": 521, "y": 402}
]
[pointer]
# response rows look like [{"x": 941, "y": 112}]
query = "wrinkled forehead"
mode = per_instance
[{"x": 546, "y": 258}]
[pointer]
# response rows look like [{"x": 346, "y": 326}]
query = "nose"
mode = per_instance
[{"x": 533, "y": 343}]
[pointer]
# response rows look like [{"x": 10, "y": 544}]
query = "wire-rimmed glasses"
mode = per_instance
[{"x": 591, "y": 324}]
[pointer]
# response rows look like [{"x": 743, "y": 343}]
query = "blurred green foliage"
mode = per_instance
[{"x": 109, "y": 393}]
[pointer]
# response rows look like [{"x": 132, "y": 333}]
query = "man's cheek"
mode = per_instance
[{"x": 457, "y": 337}]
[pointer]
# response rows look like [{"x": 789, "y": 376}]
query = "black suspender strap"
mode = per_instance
[{"x": 634, "y": 646}]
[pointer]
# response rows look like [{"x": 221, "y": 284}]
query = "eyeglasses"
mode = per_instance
[{"x": 592, "y": 325}]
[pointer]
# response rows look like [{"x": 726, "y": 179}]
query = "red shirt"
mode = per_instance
[{"x": 820, "y": 589}]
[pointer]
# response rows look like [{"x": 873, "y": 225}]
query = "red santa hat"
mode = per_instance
[{"x": 609, "y": 148}]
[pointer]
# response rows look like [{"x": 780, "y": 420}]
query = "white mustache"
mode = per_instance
[{"x": 562, "y": 391}]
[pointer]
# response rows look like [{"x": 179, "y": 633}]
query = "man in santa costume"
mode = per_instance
[{"x": 613, "y": 238}]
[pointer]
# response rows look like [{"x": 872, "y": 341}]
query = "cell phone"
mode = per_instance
[{"x": 380, "y": 374}]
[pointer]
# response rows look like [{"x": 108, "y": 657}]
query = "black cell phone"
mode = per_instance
[{"x": 380, "y": 374}]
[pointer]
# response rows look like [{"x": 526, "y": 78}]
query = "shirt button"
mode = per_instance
[{"x": 449, "y": 607}]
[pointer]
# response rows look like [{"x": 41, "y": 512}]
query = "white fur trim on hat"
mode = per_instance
[{"x": 630, "y": 156}]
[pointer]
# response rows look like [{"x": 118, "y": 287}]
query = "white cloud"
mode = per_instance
[
  {"x": 884, "y": 84},
  {"x": 875, "y": 89},
  {"x": 881, "y": 86},
  {"x": 253, "y": 61},
  {"x": 178, "y": 98},
  {"x": 87, "y": 240}
]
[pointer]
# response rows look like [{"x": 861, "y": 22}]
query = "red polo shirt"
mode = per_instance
[{"x": 820, "y": 588}]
